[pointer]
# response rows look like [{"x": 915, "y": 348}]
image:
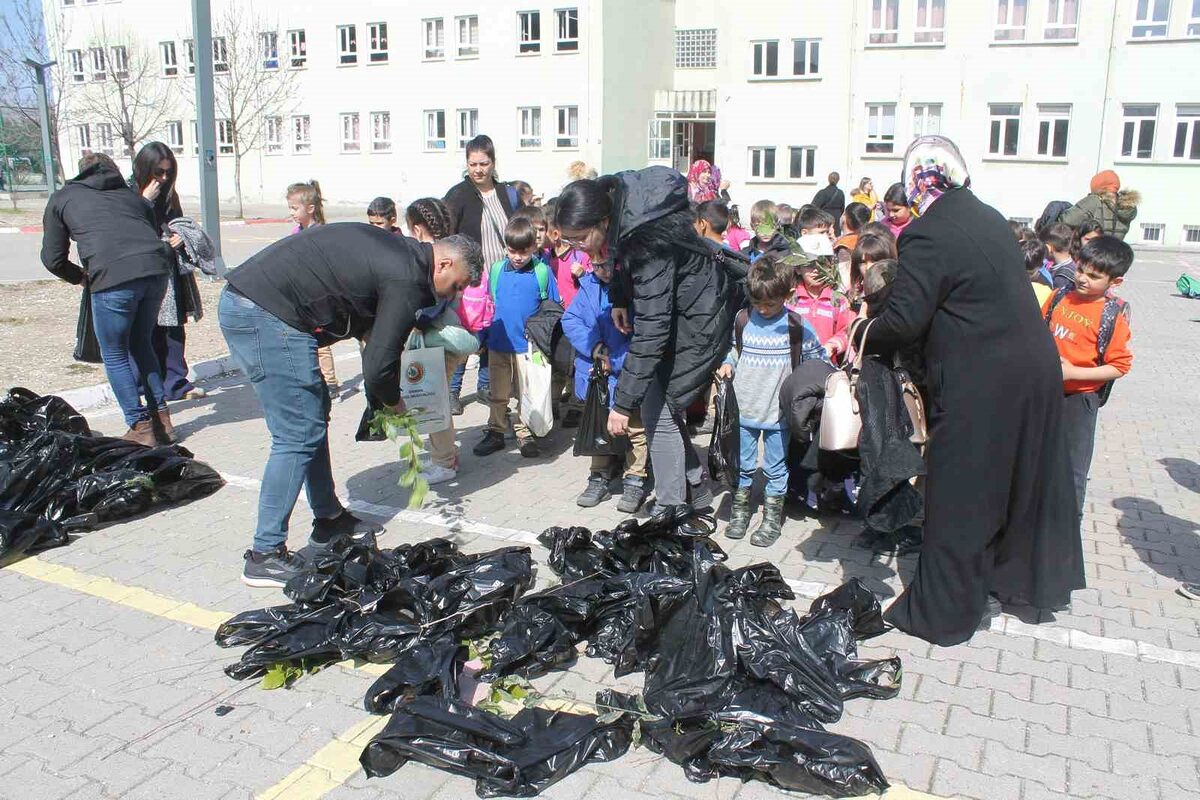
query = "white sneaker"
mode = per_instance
[{"x": 437, "y": 474}]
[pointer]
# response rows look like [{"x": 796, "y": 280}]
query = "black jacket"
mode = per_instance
[
  {"x": 113, "y": 228},
  {"x": 466, "y": 207},
  {"x": 677, "y": 289},
  {"x": 832, "y": 200},
  {"x": 345, "y": 280}
]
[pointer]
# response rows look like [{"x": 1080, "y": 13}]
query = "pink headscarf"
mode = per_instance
[{"x": 708, "y": 190}]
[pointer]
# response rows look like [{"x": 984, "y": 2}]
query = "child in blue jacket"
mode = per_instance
[{"x": 588, "y": 325}]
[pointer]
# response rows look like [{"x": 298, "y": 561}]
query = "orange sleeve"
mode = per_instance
[{"x": 1118, "y": 353}]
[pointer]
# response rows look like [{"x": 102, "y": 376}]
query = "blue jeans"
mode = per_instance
[
  {"x": 481, "y": 384},
  {"x": 281, "y": 364},
  {"x": 774, "y": 459},
  {"x": 124, "y": 318}
]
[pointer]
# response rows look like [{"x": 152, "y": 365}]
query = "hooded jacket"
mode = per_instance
[
  {"x": 1114, "y": 216},
  {"x": 113, "y": 227},
  {"x": 676, "y": 288}
]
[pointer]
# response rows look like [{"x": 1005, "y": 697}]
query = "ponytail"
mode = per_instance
[{"x": 310, "y": 195}]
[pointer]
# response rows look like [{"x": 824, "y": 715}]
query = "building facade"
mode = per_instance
[{"x": 1038, "y": 94}]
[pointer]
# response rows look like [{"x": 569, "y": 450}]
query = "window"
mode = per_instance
[
  {"x": 268, "y": 42},
  {"x": 1191, "y": 234},
  {"x": 1193, "y": 28},
  {"x": 530, "y": 120},
  {"x": 1187, "y": 132},
  {"x": 119, "y": 58},
  {"x": 468, "y": 36},
  {"x": 435, "y": 130},
  {"x": 660, "y": 138},
  {"x": 220, "y": 54},
  {"x": 568, "y": 126},
  {"x": 1054, "y": 123},
  {"x": 297, "y": 48},
  {"x": 806, "y": 54},
  {"x": 68, "y": 2},
  {"x": 802, "y": 162},
  {"x": 349, "y": 133},
  {"x": 377, "y": 33},
  {"x": 1152, "y": 232},
  {"x": 99, "y": 64},
  {"x": 347, "y": 44},
  {"x": 762, "y": 163},
  {"x": 1062, "y": 21},
  {"x": 166, "y": 55},
  {"x": 381, "y": 131},
  {"x": 468, "y": 126},
  {"x": 766, "y": 59},
  {"x": 931, "y": 21},
  {"x": 695, "y": 48},
  {"x": 881, "y": 127},
  {"x": 175, "y": 136},
  {"x": 274, "y": 143},
  {"x": 927, "y": 119},
  {"x": 1150, "y": 18},
  {"x": 885, "y": 22},
  {"x": 225, "y": 137},
  {"x": 195, "y": 139},
  {"x": 435, "y": 40},
  {"x": 566, "y": 20},
  {"x": 84, "y": 134},
  {"x": 75, "y": 60},
  {"x": 301, "y": 134},
  {"x": 104, "y": 138},
  {"x": 529, "y": 32},
  {"x": 189, "y": 53},
  {"x": 1137, "y": 134},
  {"x": 1010, "y": 20},
  {"x": 1006, "y": 128}
]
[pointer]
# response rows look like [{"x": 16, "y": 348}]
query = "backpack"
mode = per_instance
[
  {"x": 795, "y": 333},
  {"x": 1188, "y": 286},
  {"x": 540, "y": 270},
  {"x": 1113, "y": 306},
  {"x": 1052, "y": 213}
]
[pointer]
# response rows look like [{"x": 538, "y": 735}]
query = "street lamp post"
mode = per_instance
[
  {"x": 206, "y": 127},
  {"x": 39, "y": 71}
]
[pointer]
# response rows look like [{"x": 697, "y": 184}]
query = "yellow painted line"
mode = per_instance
[
  {"x": 898, "y": 792},
  {"x": 329, "y": 767}
]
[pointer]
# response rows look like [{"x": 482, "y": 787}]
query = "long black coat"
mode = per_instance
[{"x": 1000, "y": 501}]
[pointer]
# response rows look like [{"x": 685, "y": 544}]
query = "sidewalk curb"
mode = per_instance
[{"x": 91, "y": 398}]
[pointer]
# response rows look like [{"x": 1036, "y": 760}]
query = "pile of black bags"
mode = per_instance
[
  {"x": 57, "y": 478},
  {"x": 735, "y": 683}
]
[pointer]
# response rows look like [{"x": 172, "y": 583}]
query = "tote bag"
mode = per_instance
[
  {"x": 423, "y": 385},
  {"x": 534, "y": 374}
]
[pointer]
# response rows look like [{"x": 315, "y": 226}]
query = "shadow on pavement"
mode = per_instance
[
  {"x": 833, "y": 542},
  {"x": 1183, "y": 471},
  {"x": 1168, "y": 545}
]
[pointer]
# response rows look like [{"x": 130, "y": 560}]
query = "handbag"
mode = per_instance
[{"x": 87, "y": 347}]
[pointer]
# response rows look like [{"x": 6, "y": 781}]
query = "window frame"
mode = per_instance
[
  {"x": 105, "y": 139},
  {"x": 810, "y": 162},
  {"x": 1193, "y": 23},
  {"x": 471, "y": 119},
  {"x": 225, "y": 137},
  {"x": 880, "y": 143},
  {"x": 168, "y": 67},
  {"x": 527, "y": 137},
  {"x": 1159, "y": 228},
  {"x": 428, "y": 26},
  {"x": 877, "y": 32},
  {"x": 297, "y": 48},
  {"x": 118, "y": 61},
  {"x": 1008, "y": 26},
  {"x": 1189, "y": 230},
  {"x": 301, "y": 123},
  {"x": 655, "y": 138},
  {"x": 812, "y": 48},
  {"x": 764, "y": 153},
  {"x": 195, "y": 139},
  {"x": 220, "y": 54},
  {"x": 1137, "y": 121},
  {"x": 763, "y": 61},
  {"x": 381, "y": 144},
  {"x": 701, "y": 48},
  {"x": 84, "y": 133},
  {"x": 466, "y": 49},
  {"x": 268, "y": 42},
  {"x": 439, "y": 116},
  {"x": 1055, "y": 22},
  {"x": 1187, "y": 133},
  {"x": 562, "y": 19},
  {"x": 377, "y": 43},
  {"x": 189, "y": 52},
  {"x": 999, "y": 125},
  {"x": 927, "y": 112},
  {"x": 350, "y": 144},
  {"x": 273, "y": 145},
  {"x": 347, "y": 42},
  {"x": 563, "y": 138},
  {"x": 1150, "y": 26},
  {"x": 529, "y": 46},
  {"x": 78, "y": 66},
  {"x": 1049, "y": 115},
  {"x": 936, "y": 35},
  {"x": 98, "y": 56}
]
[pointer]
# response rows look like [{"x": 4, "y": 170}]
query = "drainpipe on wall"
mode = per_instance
[{"x": 1112, "y": 36}]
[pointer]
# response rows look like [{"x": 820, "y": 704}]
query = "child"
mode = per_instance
[
  {"x": 814, "y": 221},
  {"x": 712, "y": 220},
  {"x": 898, "y": 213},
  {"x": 769, "y": 342},
  {"x": 518, "y": 284},
  {"x": 525, "y": 192},
  {"x": 736, "y": 237},
  {"x": 588, "y": 325},
  {"x": 307, "y": 208},
  {"x": 763, "y": 219},
  {"x": 867, "y": 250},
  {"x": 1058, "y": 239},
  {"x": 785, "y": 215},
  {"x": 1035, "y": 261},
  {"x": 854, "y": 218},
  {"x": 827, "y": 313},
  {"x": 381, "y": 213},
  {"x": 569, "y": 266},
  {"x": 1092, "y": 333}
]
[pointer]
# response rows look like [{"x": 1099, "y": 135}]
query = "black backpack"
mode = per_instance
[{"x": 1113, "y": 307}]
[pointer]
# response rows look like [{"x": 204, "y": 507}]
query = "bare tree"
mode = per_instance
[{"x": 125, "y": 89}]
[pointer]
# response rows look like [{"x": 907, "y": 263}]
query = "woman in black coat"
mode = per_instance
[
  {"x": 679, "y": 304},
  {"x": 1000, "y": 503}
]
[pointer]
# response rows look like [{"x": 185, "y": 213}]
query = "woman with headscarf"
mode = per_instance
[
  {"x": 704, "y": 182},
  {"x": 1105, "y": 204},
  {"x": 1000, "y": 515}
]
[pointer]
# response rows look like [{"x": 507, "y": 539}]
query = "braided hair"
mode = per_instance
[{"x": 430, "y": 214}]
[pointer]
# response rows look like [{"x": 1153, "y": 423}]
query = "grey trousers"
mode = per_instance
[{"x": 672, "y": 455}]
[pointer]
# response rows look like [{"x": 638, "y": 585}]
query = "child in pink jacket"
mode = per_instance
[{"x": 827, "y": 312}]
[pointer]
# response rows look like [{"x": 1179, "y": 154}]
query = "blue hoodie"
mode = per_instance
[{"x": 587, "y": 323}]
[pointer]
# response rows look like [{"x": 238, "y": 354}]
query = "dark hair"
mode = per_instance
[
  {"x": 1020, "y": 230},
  {"x": 856, "y": 216},
  {"x": 768, "y": 280},
  {"x": 520, "y": 235},
  {"x": 468, "y": 251},
  {"x": 382, "y": 207},
  {"x": 715, "y": 213},
  {"x": 535, "y": 214},
  {"x": 1085, "y": 227},
  {"x": 550, "y": 212},
  {"x": 522, "y": 188},
  {"x": 834, "y": 178},
  {"x": 1108, "y": 255},
  {"x": 735, "y": 216},
  {"x": 784, "y": 214},
  {"x": 896, "y": 195},
  {"x": 145, "y": 163},
  {"x": 813, "y": 217},
  {"x": 584, "y": 204},
  {"x": 878, "y": 229},
  {"x": 869, "y": 248},
  {"x": 1057, "y": 235},
  {"x": 310, "y": 195},
  {"x": 483, "y": 144},
  {"x": 880, "y": 275},
  {"x": 91, "y": 159},
  {"x": 1034, "y": 253},
  {"x": 431, "y": 214}
]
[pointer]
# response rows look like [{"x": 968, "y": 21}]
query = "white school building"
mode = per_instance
[{"x": 1038, "y": 94}]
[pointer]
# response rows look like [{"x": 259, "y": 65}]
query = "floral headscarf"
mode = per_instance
[
  {"x": 932, "y": 166},
  {"x": 708, "y": 190}
]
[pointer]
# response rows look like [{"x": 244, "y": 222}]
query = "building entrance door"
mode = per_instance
[{"x": 692, "y": 140}]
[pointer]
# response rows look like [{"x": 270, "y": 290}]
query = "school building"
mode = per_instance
[{"x": 1038, "y": 94}]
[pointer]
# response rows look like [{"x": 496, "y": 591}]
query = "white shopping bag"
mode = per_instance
[
  {"x": 424, "y": 387},
  {"x": 534, "y": 376}
]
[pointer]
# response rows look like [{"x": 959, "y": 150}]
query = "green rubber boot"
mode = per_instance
[
  {"x": 767, "y": 532},
  {"x": 739, "y": 515}
]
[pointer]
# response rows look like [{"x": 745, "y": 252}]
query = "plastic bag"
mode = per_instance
[
  {"x": 724, "y": 451},
  {"x": 87, "y": 347},
  {"x": 592, "y": 438},
  {"x": 534, "y": 377},
  {"x": 22, "y": 533}
]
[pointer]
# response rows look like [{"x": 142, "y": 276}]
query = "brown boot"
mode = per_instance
[
  {"x": 141, "y": 433},
  {"x": 165, "y": 431}
]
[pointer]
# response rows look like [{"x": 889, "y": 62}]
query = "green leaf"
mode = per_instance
[
  {"x": 636, "y": 740},
  {"x": 609, "y": 717}
]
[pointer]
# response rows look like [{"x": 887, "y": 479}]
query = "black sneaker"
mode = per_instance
[
  {"x": 529, "y": 448},
  {"x": 633, "y": 494},
  {"x": 597, "y": 491},
  {"x": 272, "y": 569},
  {"x": 492, "y": 442},
  {"x": 456, "y": 406},
  {"x": 1189, "y": 590}
]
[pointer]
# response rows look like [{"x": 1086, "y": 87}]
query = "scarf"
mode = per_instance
[
  {"x": 932, "y": 166},
  {"x": 700, "y": 192}
]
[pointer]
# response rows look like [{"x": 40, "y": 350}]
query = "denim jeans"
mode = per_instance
[
  {"x": 774, "y": 459},
  {"x": 281, "y": 364},
  {"x": 124, "y": 317},
  {"x": 482, "y": 382}
]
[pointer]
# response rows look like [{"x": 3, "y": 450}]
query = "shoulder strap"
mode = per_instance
[
  {"x": 739, "y": 326},
  {"x": 1055, "y": 299},
  {"x": 543, "y": 278},
  {"x": 1113, "y": 307},
  {"x": 494, "y": 277},
  {"x": 512, "y": 196},
  {"x": 796, "y": 337}
]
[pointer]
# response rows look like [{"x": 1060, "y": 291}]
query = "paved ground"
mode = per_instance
[{"x": 112, "y": 686}]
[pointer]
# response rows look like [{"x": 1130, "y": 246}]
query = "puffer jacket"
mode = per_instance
[
  {"x": 677, "y": 290},
  {"x": 1114, "y": 217}
]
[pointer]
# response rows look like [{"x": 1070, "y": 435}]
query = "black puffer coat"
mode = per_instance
[{"x": 678, "y": 293}]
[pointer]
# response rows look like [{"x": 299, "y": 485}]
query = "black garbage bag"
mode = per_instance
[
  {"x": 284, "y": 637},
  {"x": 515, "y": 758},
  {"x": 628, "y": 630},
  {"x": 592, "y": 438},
  {"x": 428, "y": 667},
  {"x": 87, "y": 347},
  {"x": 23, "y": 412},
  {"x": 724, "y": 451},
  {"x": 22, "y": 533}
]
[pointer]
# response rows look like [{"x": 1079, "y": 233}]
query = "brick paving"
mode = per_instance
[{"x": 100, "y": 699}]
